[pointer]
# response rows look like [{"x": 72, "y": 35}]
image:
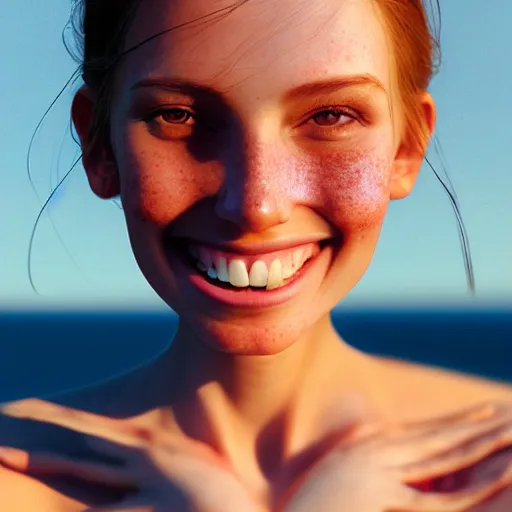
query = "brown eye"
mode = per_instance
[
  {"x": 176, "y": 116},
  {"x": 331, "y": 118}
]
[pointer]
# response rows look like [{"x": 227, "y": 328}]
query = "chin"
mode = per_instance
[
  {"x": 250, "y": 336},
  {"x": 250, "y": 321}
]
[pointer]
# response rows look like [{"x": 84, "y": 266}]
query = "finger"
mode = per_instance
[
  {"x": 80, "y": 421},
  {"x": 448, "y": 441},
  {"x": 35, "y": 408},
  {"x": 46, "y": 464},
  {"x": 480, "y": 412},
  {"x": 127, "y": 455},
  {"x": 463, "y": 456},
  {"x": 459, "y": 501}
]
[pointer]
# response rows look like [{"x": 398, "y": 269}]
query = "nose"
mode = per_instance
[{"x": 254, "y": 192}]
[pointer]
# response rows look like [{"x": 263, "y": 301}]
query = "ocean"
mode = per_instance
[{"x": 42, "y": 353}]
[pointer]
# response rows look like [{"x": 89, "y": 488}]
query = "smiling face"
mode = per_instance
[{"x": 266, "y": 133}]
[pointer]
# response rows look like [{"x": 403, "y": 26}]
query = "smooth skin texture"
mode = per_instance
[
  {"x": 278, "y": 122},
  {"x": 369, "y": 469}
]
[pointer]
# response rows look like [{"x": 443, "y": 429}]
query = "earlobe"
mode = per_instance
[
  {"x": 410, "y": 154},
  {"x": 406, "y": 169},
  {"x": 97, "y": 156}
]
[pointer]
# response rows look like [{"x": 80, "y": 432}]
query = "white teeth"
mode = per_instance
[
  {"x": 238, "y": 275},
  {"x": 297, "y": 259},
  {"x": 275, "y": 275},
  {"x": 222, "y": 270},
  {"x": 258, "y": 275},
  {"x": 288, "y": 269}
]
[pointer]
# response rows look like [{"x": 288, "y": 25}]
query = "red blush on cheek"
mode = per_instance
[{"x": 351, "y": 189}]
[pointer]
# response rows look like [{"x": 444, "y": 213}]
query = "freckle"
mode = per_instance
[{"x": 348, "y": 185}]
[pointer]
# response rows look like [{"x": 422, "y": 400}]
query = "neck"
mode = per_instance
[
  {"x": 276, "y": 403},
  {"x": 255, "y": 388}
]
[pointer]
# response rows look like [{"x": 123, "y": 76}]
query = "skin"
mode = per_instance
[{"x": 253, "y": 164}]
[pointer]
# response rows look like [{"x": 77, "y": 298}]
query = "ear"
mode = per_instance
[
  {"x": 410, "y": 156},
  {"x": 98, "y": 158}
]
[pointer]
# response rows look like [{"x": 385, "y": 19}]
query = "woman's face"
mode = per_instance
[{"x": 262, "y": 134}]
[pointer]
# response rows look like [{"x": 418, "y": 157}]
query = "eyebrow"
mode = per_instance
[
  {"x": 301, "y": 91},
  {"x": 174, "y": 85},
  {"x": 332, "y": 85}
]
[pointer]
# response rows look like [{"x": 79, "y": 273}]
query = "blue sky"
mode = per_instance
[{"x": 86, "y": 259}]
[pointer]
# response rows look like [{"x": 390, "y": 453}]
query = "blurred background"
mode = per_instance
[{"x": 82, "y": 264}]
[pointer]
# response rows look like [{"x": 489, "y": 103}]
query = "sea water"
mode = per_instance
[{"x": 42, "y": 353}]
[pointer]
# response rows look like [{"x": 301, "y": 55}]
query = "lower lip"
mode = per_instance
[{"x": 248, "y": 297}]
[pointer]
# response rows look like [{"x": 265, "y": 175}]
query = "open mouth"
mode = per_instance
[{"x": 241, "y": 272}]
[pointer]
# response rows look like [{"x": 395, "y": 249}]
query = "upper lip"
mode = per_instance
[{"x": 255, "y": 247}]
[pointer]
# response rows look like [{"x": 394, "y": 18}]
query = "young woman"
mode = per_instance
[{"x": 256, "y": 146}]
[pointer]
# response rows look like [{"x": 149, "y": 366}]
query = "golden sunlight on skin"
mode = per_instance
[
  {"x": 250, "y": 166},
  {"x": 272, "y": 176},
  {"x": 23, "y": 494},
  {"x": 222, "y": 134},
  {"x": 263, "y": 172}
]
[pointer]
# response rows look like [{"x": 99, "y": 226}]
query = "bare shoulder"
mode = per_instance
[
  {"x": 21, "y": 493},
  {"x": 427, "y": 391},
  {"x": 423, "y": 392},
  {"x": 35, "y": 435},
  {"x": 114, "y": 399}
]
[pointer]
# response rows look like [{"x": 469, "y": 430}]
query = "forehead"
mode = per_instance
[{"x": 265, "y": 45}]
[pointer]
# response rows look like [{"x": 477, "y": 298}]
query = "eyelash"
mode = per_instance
[
  {"x": 336, "y": 111},
  {"x": 153, "y": 116}
]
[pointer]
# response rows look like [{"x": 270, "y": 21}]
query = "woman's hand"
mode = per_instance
[
  {"x": 157, "y": 476},
  {"x": 378, "y": 471}
]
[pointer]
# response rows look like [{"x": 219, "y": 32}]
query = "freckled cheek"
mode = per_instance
[
  {"x": 351, "y": 190},
  {"x": 158, "y": 186},
  {"x": 358, "y": 194}
]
